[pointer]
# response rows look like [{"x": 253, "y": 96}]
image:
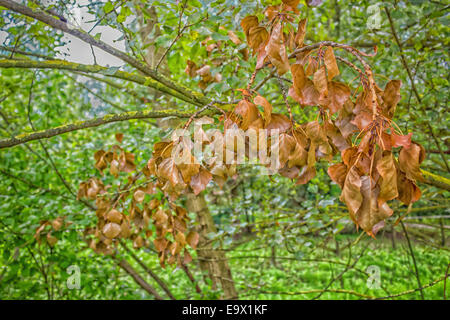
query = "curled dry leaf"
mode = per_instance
[
  {"x": 192, "y": 239},
  {"x": 338, "y": 93},
  {"x": 391, "y": 97},
  {"x": 351, "y": 193},
  {"x": 277, "y": 51},
  {"x": 114, "y": 216},
  {"x": 261, "y": 101},
  {"x": 257, "y": 37},
  {"x": 330, "y": 62},
  {"x": 337, "y": 173},
  {"x": 249, "y": 22},
  {"x": 410, "y": 160},
  {"x": 111, "y": 230},
  {"x": 388, "y": 172},
  {"x": 119, "y": 137},
  {"x": 321, "y": 82},
  {"x": 371, "y": 213},
  {"x": 401, "y": 140},
  {"x": 200, "y": 180},
  {"x": 139, "y": 195},
  {"x": 301, "y": 32}
]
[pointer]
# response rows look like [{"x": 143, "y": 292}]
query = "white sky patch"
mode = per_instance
[{"x": 80, "y": 52}]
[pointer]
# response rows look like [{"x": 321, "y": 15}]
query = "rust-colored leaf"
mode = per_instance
[
  {"x": 277, "y": 51},
  {"x": 398, "y": 140},
  {"x": 391, "y": 96},
  {"x": 338, "y": 93},
  {"x": 192, "y": 239},
  {"x": 111, "y": 230},
  {"x": 331, "y": 64},
  {"x": 320, "y": 82},
  {"x": 351, "y": 193},
  {"x": 410, "y": 159},
  {"x": 261, "y": 101},
  {"x": 200, "y": 181},
  {"x": 388, "y": 186},
  {"x": 337, "y": 173},
  {"x": 301, "y": 32}
]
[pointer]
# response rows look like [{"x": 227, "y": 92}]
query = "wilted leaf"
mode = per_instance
[
  {"x": 111, "y": 230},
  {"x": 301, "y": 32},
  {"x": 330, "y": 63},
  {"x": 337, "y": 173},
  {"x": 119, "y": 137},
  {"x": 401, "y": 140},
  {"x": 261, "y": 101},
  {"x": 277, "y": 51},
  {"x": 139, "y": 195},
  {"x": 248, "y": 22},
  {"x": 351, "y": 193},
  {"x": 192, "y": 239},
  {"x": 257, "y": 37},
  {"x": 200, "y": 181},
  {"x": 320, "y": 82},
  {"x": 391, "y": 96},
  {"x": 410, "y": 160},
  {"x": 114, "y": 216},
  {"x": 370, "y": 213},
  {"x": 388, "y": 186},
  {"x": 338, "y": 93}
]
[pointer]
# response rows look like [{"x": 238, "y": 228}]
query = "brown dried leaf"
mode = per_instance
[
  {"x": 301, "y": 32},
  {"x": 338, "y": 93},
  {"x": 277, "y": 51},
  {"x": 192, "y": 239},
  {"x": 320, "y": 82},
  {"x": 331, "y": 64},
  {"x": 200, "y": 181},
  {"x": 388, "y": 186},
  {"x": 114, "y": 216},
  {"x": 261, "y": 101},
  {"x": 111, "y": 230},
  {"x": 370, "y": 214},
  {"x": 337, "y": 173},
  {"x": 410, "y": 160},
  {"x": 119, "y": 137},
  {"x": 257, "y": 37},
  {"x": 351, "y": 193},
  {"x": 391, "y": 96}
]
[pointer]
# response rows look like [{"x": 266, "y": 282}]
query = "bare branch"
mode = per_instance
[{"x": 44, "y": 134}]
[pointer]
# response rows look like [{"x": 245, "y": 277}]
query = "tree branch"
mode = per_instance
[
  {"x": 84, "y": 36},
  {"x": 71, "y": 66},
  {"x": 435, "y": 180},
  {"x": 138, "y": 279},
  {"x": 44, "y": 134}
]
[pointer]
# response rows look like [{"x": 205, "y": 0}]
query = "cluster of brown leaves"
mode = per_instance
[
  {"x": 271, "y": 44},
  {"x": 204, "y": 70},
  {"x": 117, "y": 159},
  {"x": 129, "y": 214},
  {"x": 369, "y": 173},
  {"x": 47, "y": 227}
]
